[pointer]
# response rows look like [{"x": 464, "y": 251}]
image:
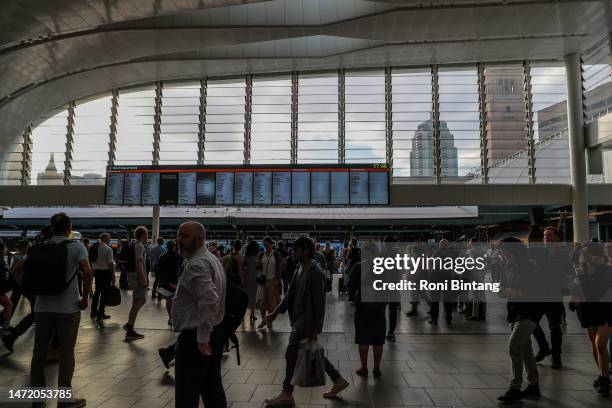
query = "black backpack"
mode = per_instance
[
  {"x": 236, "y": 304},
  {"x": 93, "y": 252},
  {"x": 45, "y": 268}
]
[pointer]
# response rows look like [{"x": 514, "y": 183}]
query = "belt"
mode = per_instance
[{"x": 101, "y": 270}]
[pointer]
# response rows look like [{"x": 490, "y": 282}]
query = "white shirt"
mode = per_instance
[
  {"x": 199, "y": 301},
  {"x": 104, "y": 259}
]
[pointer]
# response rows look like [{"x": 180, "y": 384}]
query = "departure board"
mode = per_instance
[
  {"x": 255, "y": 185},
  {"x": 114, "y": 188},
  {"x": 319, "y": 188},
  {"x": 132, "y": 189},
  {"x": 243, "y": 188},
  {"x": 187, "y": 189},
  {"x": 150, "y": 188}
]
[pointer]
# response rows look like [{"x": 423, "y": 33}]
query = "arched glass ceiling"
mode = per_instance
[{"x": 435, "y": 124}]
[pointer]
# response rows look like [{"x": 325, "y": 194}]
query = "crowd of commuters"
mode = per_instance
[{"x": 191, "y": 277}]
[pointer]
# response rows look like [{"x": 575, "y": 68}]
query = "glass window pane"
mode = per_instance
[
  {"x": 365, "y": 116},
  {"x": 271, "y": 120},
  {"x": 49, "y": 148},
  {"x": 91, "y": 140},
  {"x": 180, "y": 123},
  {"x": 225, "y": 109},
  {"x": 135, "y": 119}
]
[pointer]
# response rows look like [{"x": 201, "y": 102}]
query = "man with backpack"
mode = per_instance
[
  {"x": 101, "y": 258},
  {"x": 137, "y": 279},
  {"x": 198, "y": 311},
  {"x": 50, "y": 272}
]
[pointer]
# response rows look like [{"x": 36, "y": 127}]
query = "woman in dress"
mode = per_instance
[
  {"x": 250, "y": 275},
  {"x": 269, "y": 285}
]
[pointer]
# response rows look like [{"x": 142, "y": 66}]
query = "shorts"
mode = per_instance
[{"x": 139, "y": 291}]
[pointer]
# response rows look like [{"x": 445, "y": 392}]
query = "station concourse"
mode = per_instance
[{"x": 351, "y": 122}]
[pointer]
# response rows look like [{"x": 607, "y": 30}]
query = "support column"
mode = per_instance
[
  {"x": 577, "y": 153},
  {"x": 341, "y": 117},
  {"x": 155, "y": 224}
]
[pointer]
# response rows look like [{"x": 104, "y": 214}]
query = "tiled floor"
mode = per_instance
[{"x": 465, "y": 365}]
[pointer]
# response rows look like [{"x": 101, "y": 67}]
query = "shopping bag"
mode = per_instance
[
  {"x": 112, "y": 296},
  {"x": 310, "y": 366}
]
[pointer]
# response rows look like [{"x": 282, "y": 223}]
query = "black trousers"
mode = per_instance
[
  {"x": 393, "y": 311},
  {"x": 98, "y": 302},
  {"x": 16, "y": 293},
  {"x": 197, "y": 376},
  {"x": 448, "y": 297},
  {"x": 554, "y": 314},
  {"x": 25, "y": 323}
]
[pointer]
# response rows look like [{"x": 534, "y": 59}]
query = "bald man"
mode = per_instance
[{"x": 197, "y": 313}]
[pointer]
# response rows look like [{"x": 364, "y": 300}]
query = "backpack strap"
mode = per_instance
[{"x": 66, "y": 243}]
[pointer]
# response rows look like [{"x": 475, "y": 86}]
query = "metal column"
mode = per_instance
[
  {"x": 248, "y": 109},
  {"x": 202, "y": 128},
  {"x": 529, "y": 121},
  {"x": 26, "y": 157},
  {"x": 341, "y": 117},
  {"x": 112, "y": 137},
  {"x": 577, "y": 152},
  {"x": 69, "y": 142},
  {"x": 157, "y": 122},
  {"x": 388, "y": 118},
  {"x": 294, "y": 117},
  {"x": 482, "y": 107},
  {"x": 435, "y": 119}
]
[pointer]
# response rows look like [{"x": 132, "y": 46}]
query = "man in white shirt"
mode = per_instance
[
  {"x": 197, "y": 313},
  {"x": 104, "y": 275},
  {"x": 61, "y": 314}
]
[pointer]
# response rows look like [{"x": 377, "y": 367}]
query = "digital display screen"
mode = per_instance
[
  {"x": 243, "y": 188},
  {"x": 205, "y": 189},
  {"x": 319, "y": 188},
  {"x": 300, "y": 188},
  {"x": 224, "y": 190},
  {"x": 132, "y": 189},
  {"x": 150, "y": 188},
  {"x": 246, "y": 185},
  {"x": 262, "y": 188},
  {"x": 281, "y": 188},
  {"x": 168, "y": 188},
  {"x": 187, "y": 189},
  {"x": 340, "y": 188},
  {"x": 379, "y": 188},
  {"x": 114, "y": 188},
  {"x": 359, "y": 188}
]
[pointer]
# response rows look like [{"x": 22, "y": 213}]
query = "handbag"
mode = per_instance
[
  {"x": 112, "y": 296},
  {"x": 261, "y": 279},
  {"x": 310, "y": 365}
]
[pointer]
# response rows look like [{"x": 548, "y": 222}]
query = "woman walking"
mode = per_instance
[{"x": 269, "y": 284}]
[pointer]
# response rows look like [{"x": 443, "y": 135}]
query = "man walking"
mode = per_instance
[
  {"x": 104, "y": 274},
  {"x": 305, "y": 302},
  {"x": 198, "y": 309},
  {"x": 137, "y": 280},
  {"x": 60, "y": 314}
]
